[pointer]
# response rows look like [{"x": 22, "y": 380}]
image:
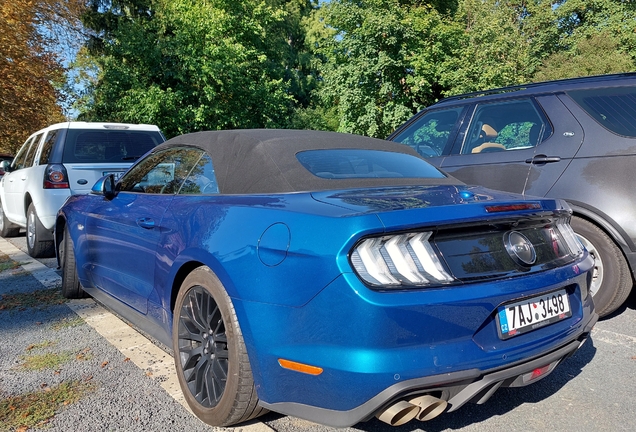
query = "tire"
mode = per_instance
[
  {"x": 71, "y": 287},
  {"x": 210, "y": 355},
  {"x": 7, "y": 229},
  {"x": 39, "y": 239},
  {"x": 611, "y": 280}
]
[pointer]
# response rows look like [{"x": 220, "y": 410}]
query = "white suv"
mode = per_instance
[{"x": 62, "y": 160}]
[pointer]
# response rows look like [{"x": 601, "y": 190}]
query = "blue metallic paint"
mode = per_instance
[{"x": 310, "y": 307}]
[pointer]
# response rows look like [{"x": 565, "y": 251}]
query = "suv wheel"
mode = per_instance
[
  {"x": 39, "y": 243},
  {"x": 7, "y": 229},
  {"x": 611, "y": 279}
]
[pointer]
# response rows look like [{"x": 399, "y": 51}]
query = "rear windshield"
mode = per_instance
[
  {"x": 613, "y": 107},
  {"x": 350, "y": 163},
  {"x": 104, "y": 146}
]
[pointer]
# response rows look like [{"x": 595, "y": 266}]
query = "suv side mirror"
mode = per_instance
[
  {"x": 105, "y": 186},
  {"x": 5, "y": 166}
]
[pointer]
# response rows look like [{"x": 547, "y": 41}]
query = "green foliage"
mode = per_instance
[
  {"x": 369, "y": 53},
  {"x": 493, "y": 50},
  {"x": 597, "y": 55},
  {"x": 360, "y": 66},
  {"x": 202, "y": 65}
]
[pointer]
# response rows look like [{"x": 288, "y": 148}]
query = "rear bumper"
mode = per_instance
[{"x": 458, "y": 387}]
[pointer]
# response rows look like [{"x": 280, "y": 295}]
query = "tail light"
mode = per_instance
[
  {"x": 55, "y": 177},
  {"x": 400, "y": 260}
]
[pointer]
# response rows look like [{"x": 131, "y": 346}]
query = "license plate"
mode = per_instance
[
  {"x": 116, "y": 174},
  {"x": 521, "y": 317}
]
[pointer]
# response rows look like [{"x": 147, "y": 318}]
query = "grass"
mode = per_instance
[
  {"x": 41, "y": 345},
  {"x": 7, "y": 263},
  {"x": 67, "y": 323},
  {"x": 50, "y": 360},
  {"x": 40, "y": 298},
  {"x": 35, "y": 409},
  {"x": 44, "y": 361}
]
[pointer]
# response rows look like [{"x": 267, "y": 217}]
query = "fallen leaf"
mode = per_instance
[
  {"x": 127, "y": 359},
  {"x": 148, "y": 373},
  {"x": 104, "y": 363}
]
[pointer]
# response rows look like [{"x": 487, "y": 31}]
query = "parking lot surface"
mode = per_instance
[{"x": 126, "y": 383}]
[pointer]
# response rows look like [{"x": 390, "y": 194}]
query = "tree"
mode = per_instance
[
  {"x": 31, "y": 74},
  {"x": 188, "y": 65},
  {"x": 379, "y": 60},
  {"x": 597, "y": 55},
  {"x": 592, "y": 37}
]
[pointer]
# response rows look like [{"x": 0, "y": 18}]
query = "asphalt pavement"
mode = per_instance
[{"x": 128, "y": 384}]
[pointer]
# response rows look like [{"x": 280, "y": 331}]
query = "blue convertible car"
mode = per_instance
[{"x": 328, "y": 276}]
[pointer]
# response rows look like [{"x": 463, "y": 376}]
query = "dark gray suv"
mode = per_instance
[{"x": 573, "y": 139}]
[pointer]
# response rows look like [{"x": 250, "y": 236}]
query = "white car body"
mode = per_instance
[{"x": 82, "y": 149}]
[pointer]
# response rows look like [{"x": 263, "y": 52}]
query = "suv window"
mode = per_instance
[
  {"x": 18, "y": 162},
  {"x": 24, "y": 159},
  {"x": 430, "y": 134},
  {"x": 501, "y": 126},
  {"x": 613, "y": 107},
  {"x": 48, "y": 146},
  {"x": 95, "y": 146}
]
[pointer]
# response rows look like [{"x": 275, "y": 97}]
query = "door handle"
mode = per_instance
[
  {"x": 147, "y": 223},
  {"x": 543, "y": 159}
]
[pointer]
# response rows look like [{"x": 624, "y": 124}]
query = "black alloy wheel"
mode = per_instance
[
  {"x": 210, "y": 355},
  {"x": 203, "y": 347},
  {"x": 71, "y": 287}
]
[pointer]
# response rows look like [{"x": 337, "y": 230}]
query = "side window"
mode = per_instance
[
  {"x": 429, "y": 135},
  {"x": 162, "y": 172},
  {"x": 504, "y": 126},
  {"x": 612, "y": 107},
  {"x": 48, "y": 146},
  {"x": 20, "y": 159},
  {"x": 201, "y": 180},
  {"x": 30, "y": 156}
]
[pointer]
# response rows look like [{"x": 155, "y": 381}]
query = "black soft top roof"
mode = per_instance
[{"x": 264, "y": 160}]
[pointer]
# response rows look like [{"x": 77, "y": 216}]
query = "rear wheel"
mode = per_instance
[
  {"x": 7, "y": 229},
  {"x": 39, "y": 241},
  {"x": 611, "y": 278},
  {"x": 210, "y": 355},
  {"x": 71, "y": 287}
]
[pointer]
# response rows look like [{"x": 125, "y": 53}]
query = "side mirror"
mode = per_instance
[
  {"x": 5, "y": 166},
  {"x": 105, "y": 186}
]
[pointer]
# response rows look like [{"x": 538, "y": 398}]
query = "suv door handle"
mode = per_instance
[
  {"x": 147, "y": 223},
  {"x": 543, "y": 159}
]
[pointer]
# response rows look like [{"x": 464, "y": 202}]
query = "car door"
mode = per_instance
[
  {"x": 554, "y": 154},
  {"x": 125, "y": 231},
  {"x": 511, "y": 145},
  {"x": 16, "y": 181},
  {"x": 499, "y": 138}
]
